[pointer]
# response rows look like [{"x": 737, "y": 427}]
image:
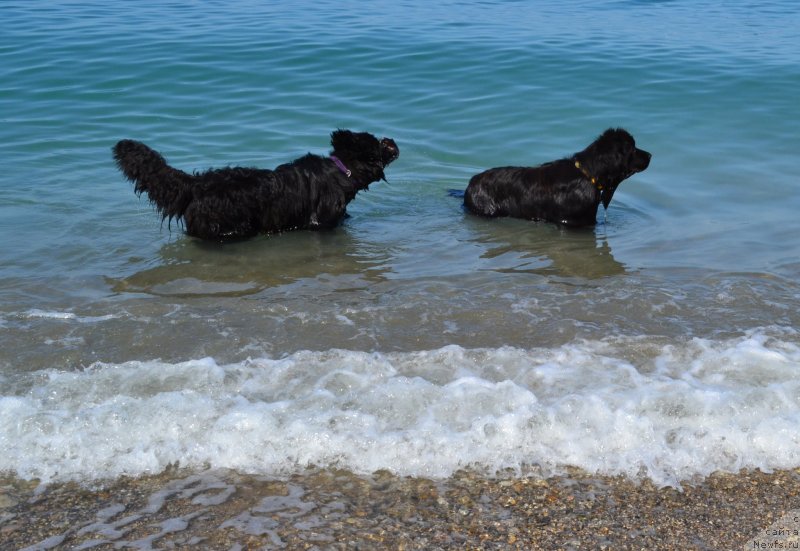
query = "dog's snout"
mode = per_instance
[
  {"x": 643, "y": 159},
  {"x": 391, "y": 151}
]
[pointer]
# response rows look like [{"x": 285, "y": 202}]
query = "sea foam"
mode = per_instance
[{"x": 636, "y": 406}]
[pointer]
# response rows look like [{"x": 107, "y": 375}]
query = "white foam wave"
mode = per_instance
[
  {"x": 36, "y": 313},
  {"x": 632, "y": 406},
  {"x": 57, "y": 315}
]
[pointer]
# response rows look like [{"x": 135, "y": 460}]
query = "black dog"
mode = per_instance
[
  {"x": 565, "y": 192},
  {"x": 236, "y": 202}
]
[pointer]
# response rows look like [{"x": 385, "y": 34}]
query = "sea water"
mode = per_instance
[{"x": 662, "y": 343}]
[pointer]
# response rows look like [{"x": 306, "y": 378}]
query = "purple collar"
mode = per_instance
[{"x": 338, "y": 162}]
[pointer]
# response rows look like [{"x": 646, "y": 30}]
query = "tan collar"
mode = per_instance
[{"x": 589, "y": 177}]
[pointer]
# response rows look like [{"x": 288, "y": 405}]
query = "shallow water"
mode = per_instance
[{"x": 662, "y": 342}]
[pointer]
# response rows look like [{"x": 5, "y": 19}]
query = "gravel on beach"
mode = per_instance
[{"x": 337, "y": 510}]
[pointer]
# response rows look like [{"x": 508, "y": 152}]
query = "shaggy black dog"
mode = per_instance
[
  {"x": 235, "y": 202},
  {"x": 566, "y": 192}
]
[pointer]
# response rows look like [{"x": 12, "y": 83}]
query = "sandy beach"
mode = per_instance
[{"x": 327, "y": 509}]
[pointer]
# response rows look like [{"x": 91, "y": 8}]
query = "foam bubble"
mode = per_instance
[
  {"x": 55, "y": 315},
  {"x": 36, "y": 313},
  {"x": 632, "y": 406}
]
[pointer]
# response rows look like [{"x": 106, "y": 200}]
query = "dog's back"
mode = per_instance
[{"x": 494, "y": 192}]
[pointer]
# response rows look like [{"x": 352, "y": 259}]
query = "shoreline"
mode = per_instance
[{"x": 335, "y": 509}]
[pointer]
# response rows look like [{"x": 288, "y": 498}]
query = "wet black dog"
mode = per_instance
[
  {"x": 566, "y": 192},
  {"x": 235, "y": 202}
]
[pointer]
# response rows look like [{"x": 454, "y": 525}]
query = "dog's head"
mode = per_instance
[
  {"x": 612, "y": 158},
  {"x": 364, "y": 154}
]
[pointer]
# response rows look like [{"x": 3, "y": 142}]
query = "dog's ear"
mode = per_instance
[{"x": 342, "y": 140}]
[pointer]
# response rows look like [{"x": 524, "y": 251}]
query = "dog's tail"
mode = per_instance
[
  {"x": 169, "y": 189},
  {"x": 457, "y": 193}
]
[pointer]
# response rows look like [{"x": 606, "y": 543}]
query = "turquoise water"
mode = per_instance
[{"x": 682, "y": 304}]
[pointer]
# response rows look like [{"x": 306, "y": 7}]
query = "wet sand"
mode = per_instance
[{"x": 329, "y": 509}]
